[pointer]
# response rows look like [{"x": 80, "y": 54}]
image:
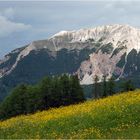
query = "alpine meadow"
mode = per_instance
[{"x": 112, "y": 117}]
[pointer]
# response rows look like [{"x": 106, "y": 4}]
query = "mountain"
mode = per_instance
[
  {"x": 114, "y": 117},
  {"x": 111, "y": 50}
]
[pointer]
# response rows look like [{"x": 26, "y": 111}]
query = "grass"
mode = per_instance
[{"x": 113, "y": 117}]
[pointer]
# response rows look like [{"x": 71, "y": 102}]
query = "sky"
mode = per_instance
[{"x": 22, "y": 22}]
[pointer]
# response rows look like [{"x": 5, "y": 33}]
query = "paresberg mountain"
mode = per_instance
[{"x": 111, "y": 50}]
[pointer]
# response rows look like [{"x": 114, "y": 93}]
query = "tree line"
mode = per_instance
[
  {"x": 108, "y": 87},
  {"x": 50, "y": 92},
  {"x": 55, "y": 92}
]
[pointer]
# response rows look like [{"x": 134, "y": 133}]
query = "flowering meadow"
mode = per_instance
[{"x": 116, "y": 116}]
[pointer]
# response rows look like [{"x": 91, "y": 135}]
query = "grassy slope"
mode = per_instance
[{"x": 113, "y": 117}]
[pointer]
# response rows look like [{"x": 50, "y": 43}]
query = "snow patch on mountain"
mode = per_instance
[
  {"x": 61, "y": 33},
  {"x": 110, "y": 33}
]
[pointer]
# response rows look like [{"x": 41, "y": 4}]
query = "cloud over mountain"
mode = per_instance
[{"x": 9, "y": 26}]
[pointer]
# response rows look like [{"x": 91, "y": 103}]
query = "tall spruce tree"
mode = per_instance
[
  {"x": 46, "y": 92},
  {"x": 77, "y": 94},
  {"x": 96, "y": 93},
  {"x": 33, "y": 99},
  {"x": 65, "y": 92},
  {"x": 104, "y": 86},
  {"x": 111, "y": 86},
  {"x": 57, "y": 93}
]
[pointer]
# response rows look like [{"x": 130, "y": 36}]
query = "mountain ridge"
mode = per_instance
[
  {"x": 110, "y": 50},
  {"x": 82, "y": 35}
]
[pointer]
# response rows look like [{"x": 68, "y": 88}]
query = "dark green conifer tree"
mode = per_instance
[
  {"x": 127, "y": 86},
  {"x": 96, "y": 86},
  {"x": 15, "y": 103},
  {"x": 33, "y": 99},
  {"x": 111, "y": 86},
  {"x": 46, "y": 92},
  {"x": 76, "y": 90},
  {"x": 104, "y": 87}
]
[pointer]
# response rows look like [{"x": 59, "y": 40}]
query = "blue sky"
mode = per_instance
[{"x": 23, "y": 22}]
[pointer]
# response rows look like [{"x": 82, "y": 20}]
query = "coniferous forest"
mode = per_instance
[
  {"x": 50, "y": 92},
  {"x": 53, "y": 92}
]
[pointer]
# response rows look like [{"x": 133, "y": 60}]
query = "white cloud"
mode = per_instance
[
  {"x": 9, "y": 13},
  {"x": 8, "y": 27}
]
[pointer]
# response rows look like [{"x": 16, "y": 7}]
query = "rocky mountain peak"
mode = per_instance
[
  {"x": 110, "y": 50},
  {"x": 107, "y": 40}
]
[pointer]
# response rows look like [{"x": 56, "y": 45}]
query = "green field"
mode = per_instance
[{"x": 113, "y": 117}]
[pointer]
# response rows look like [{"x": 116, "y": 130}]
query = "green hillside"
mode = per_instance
[{"x": 113, "y": 117}]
